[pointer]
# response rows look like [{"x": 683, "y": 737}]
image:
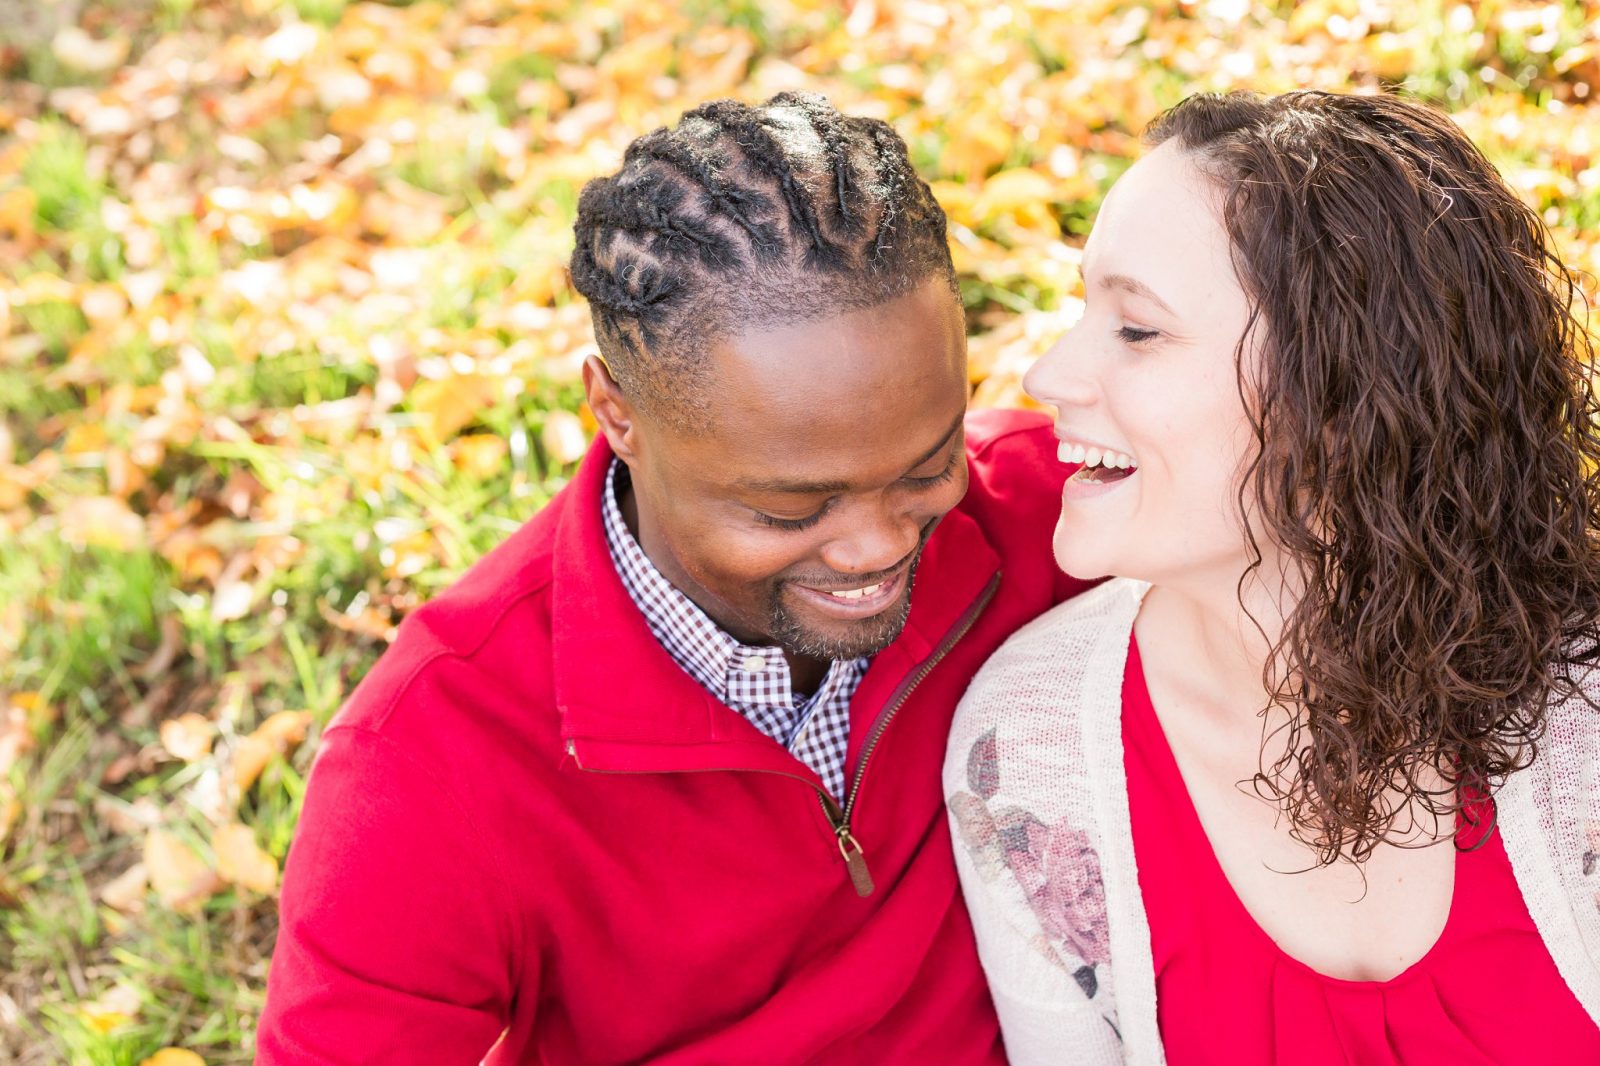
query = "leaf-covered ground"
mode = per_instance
[{"x": 286, "y": 342}]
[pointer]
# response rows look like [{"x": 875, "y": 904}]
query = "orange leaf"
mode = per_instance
[
  {"x": 231, "y": 601},
  {"x": 181, "y": 880},
  {"x": 479, "y": 455},
  {"x": 17, "y": 205},
  {"x": 125, "y": 892},
  {"x": 563, "y": 437},
  {"x": 188, "y": 736},
  {"x": 174, "y": 1056},
  {"x": 278, "y": 735},
  {"x": 113, "y": 1009},
  {"x": 85, "y": 438},
  {"x": 445, "y": 405},
  {"x": 104, "y": 521},
  {"x": 241, "y": 861}
]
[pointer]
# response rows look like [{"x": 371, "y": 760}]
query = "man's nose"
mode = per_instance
[{"x": 882, "y": 539}]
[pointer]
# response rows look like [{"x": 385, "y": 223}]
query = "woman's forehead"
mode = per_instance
[{"x": 1161, "y": 225}]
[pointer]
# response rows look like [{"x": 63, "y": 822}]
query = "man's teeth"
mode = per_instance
[
  {"x": 856, "y": 594},
  {"x": 1079, "y": 453}
]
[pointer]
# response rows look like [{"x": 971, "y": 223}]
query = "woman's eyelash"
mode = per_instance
[{"x": 1135, "y": 335}]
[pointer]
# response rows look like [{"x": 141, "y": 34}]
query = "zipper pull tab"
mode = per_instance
[{"x": 855, "y": 861}]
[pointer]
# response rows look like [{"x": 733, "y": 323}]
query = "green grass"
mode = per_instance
[{"x": 235, "y": 455}]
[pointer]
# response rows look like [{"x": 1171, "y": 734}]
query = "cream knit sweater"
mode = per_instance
[{"x": 1039, "y": 809}]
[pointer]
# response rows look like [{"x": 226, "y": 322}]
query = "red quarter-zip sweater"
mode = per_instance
[{"x": 529, "y": 821}]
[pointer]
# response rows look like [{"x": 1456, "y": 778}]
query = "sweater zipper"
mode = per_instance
[{"x": 855, "y": 859}]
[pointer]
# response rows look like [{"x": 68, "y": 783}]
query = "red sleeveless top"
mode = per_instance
[{"x": 1486, "y": 994}]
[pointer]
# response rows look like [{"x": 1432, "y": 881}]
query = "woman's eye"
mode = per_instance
[{"x": 1135, "y": 335}]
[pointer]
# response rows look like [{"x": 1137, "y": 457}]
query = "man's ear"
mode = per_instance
[{"x": 611, "y": 409}]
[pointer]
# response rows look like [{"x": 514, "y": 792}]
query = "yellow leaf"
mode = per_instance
[
  {"x": 20, "y": 722},
  {"x": 635, "y": 64},
  {"x": 181, "y": 880},
  {"x": 103, "y": 521},
  {"x": 44, "y": 288},
  {"x": 85, "y": 438},
  {"x": 276, "y": 736},
  {"x": 231, "y": 601},
  {"x": 443, "y": 406},
  {"x": 10, "y": 809},
  {"x": 113, "y": 1009},
  {"x": 563, "y": 437},
  {"x": 17, "y": 205},
  {"x": 188, "y": 736},
  {"x": 125, "y": 892},
  {"x": 241, "y": 861},
  {"x": 1012, "y": 189},
  {"x": 977, "y": 143},
  {"x": 479, "y": 455},
  {"x": 174, "y": 1056},
  {"x": 103, "y": 303},
  {"x": 83, "y": 53},
  {"x": 958, "y": 199}
]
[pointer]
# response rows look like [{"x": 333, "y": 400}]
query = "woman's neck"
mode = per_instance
[{"x": 1216, "y": 640}]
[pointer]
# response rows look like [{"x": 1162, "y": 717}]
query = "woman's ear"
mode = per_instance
[{"x": 611, "y": 408}]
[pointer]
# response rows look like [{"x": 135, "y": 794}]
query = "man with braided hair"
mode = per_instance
[{"x": 658, "y": 780}]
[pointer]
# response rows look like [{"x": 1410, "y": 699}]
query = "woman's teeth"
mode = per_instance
[
  {"x": 857, "y": 594},
  {"x": 1079, "y": 453}
]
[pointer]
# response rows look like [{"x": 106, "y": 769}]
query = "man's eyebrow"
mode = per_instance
[
  {"x": 1137, "y": 288},
  {"x": 786, "y": 486},
  {"x": 944, "y": 442}
]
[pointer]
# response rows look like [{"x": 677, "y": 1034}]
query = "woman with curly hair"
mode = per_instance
[{"x": 1316, "y": 778}]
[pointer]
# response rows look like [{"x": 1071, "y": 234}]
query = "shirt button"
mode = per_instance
[{"x": 753, "y": 664}]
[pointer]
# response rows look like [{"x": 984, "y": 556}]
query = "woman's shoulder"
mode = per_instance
[
  {"x": 1046, "y": 663},
  {"x": 1031, "y": 752},
  {"x": 1031, "y": 701}
]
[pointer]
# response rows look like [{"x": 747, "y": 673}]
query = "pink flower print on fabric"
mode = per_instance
[
  {"x": 1056, "y": 867},
  {"x": 1060, "y": 872}
]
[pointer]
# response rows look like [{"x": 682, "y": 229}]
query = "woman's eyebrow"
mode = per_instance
[{"x": 1136, "y": 288}]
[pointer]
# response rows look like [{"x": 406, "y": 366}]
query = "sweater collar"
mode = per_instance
[{"x": 627, "y": 706}]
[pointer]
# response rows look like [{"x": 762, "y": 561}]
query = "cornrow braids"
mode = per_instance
[
  {"x": 830, "y": 127},
  {"x": 740, "y": 205},
  {"x": 649, "y": 206},
  {"x": 889, "y": 146},
  {"x": 746, "y": 217},
  {"x": 763, "y": 152}
]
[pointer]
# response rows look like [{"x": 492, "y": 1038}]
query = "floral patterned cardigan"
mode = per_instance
[{"x": 1038, "y": 806}]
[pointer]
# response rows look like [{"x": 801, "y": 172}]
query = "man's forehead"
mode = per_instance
[
  {"x": 919, "y": 333},
  {"x": 833, "y": 470}
]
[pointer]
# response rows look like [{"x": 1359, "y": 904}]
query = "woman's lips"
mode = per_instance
[{"x": 1078, "y": 488}]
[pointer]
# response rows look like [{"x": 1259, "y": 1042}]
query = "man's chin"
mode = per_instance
[{"x": 802, "y": 633}]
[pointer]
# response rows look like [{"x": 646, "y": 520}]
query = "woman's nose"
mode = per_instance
[{"x": 1063, "y": 377}]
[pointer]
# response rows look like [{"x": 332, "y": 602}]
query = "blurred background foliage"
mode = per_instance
[{"x": 286, "y": 342}]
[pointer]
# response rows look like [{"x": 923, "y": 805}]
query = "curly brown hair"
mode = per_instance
[{"x": 1426, "y": 451}]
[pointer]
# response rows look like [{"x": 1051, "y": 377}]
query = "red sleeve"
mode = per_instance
[{"x": 395, "y": 939}]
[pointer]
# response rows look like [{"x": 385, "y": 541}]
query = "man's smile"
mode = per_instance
[{"x": 862, "y": 601}]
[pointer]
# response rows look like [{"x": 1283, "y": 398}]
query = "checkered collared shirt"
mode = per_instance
[{"x": 752, "y": 680}]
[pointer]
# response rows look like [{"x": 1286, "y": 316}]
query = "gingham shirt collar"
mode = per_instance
[{"x": 753, "y": 681}]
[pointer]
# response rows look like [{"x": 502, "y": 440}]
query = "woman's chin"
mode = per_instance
[{"x": 1079, "y": 559}]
